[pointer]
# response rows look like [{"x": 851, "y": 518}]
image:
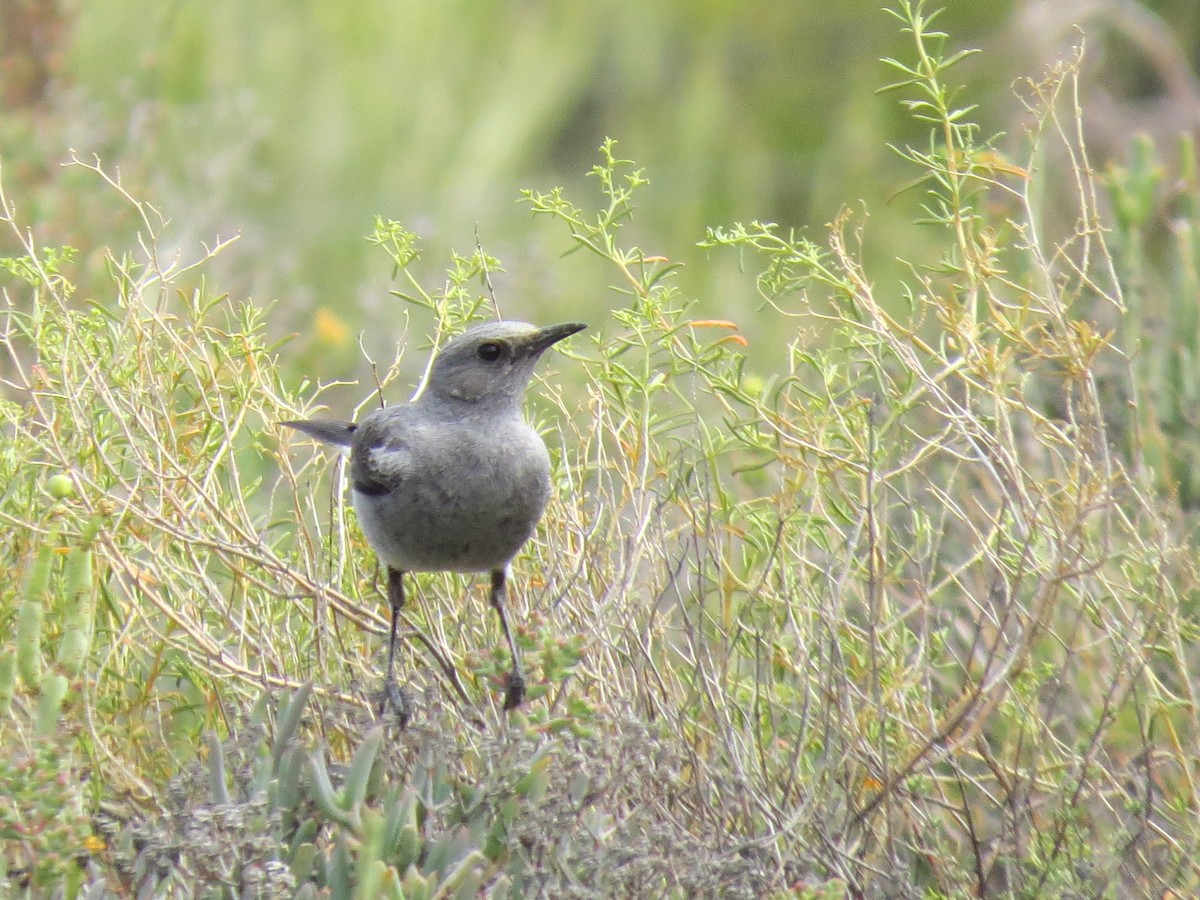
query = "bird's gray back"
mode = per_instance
[{"x": 440, "y": 490}]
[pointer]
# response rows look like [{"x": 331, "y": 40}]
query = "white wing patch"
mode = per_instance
[{"x": 390, "y": 462}]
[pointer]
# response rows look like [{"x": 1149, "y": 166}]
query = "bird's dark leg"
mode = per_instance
[
  {"x": 394, "y": 695},
  {"x": 516, "y": 681}
]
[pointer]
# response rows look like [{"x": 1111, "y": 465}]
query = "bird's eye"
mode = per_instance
[{"x": 490, "y": 352}]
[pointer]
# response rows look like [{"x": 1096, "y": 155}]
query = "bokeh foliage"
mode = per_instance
[
  {"x": 916, "y": 608},
  {"x": 294, "y": 124}
]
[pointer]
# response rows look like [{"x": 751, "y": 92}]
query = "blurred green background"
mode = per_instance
[{"x": 294, "y": 123}]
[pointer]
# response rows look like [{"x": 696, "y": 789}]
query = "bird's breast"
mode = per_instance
[{"x": 456, "y": 499}]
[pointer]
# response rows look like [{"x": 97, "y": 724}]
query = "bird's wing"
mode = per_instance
[
  {"x": 382, "y": 457},
  {"x": 326, "y": 430}
]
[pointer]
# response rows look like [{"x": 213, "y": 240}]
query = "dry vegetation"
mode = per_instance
[{"x": 911, "y": 618}]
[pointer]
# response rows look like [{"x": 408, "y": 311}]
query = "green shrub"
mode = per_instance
[{"x": 915, "y": 612}]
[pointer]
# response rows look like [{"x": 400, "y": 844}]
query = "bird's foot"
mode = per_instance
[
  {"x": 514, "y": 692},
  {"x": 395, "y": 698}
]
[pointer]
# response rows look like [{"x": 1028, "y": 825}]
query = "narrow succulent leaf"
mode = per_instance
[
  {"x": 290, "y": 713},
  {"x": 303, "y": 858},
  {"x": 50, "y": 700},
  {"x": 8, "y": 679},
  {"x": 216, "y": 769},
  {"x": 324, "y": 794},
  {"x": 358, "y": 776},
  {"x": 341, "y": 871},
  {"x": 370, "y": 868},
  {"x": 29, "y": 642}
]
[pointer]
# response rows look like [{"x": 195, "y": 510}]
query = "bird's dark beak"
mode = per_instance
[{"x": 551, "y": 334}]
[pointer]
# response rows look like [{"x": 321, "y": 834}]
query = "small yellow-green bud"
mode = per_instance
[{"x": 60, "y": 486}]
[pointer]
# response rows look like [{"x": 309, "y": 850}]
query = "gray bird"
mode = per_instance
[{"x": 454, "y": 481}]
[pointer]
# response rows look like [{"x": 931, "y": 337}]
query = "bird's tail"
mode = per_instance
[{"x": 326, "y": 430}]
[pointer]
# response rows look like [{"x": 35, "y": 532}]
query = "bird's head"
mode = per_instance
[{"x": 492, "y": 362}]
